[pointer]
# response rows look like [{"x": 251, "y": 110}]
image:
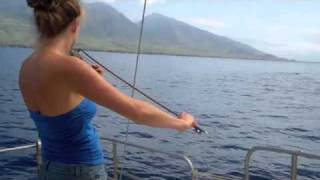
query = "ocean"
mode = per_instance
[{"x": 241, "y": 103}]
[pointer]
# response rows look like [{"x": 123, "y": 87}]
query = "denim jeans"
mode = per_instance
[{"x": 59, "y": 171}]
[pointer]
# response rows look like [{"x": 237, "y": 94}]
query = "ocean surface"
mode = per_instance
[{"x": 241, "y": 103}]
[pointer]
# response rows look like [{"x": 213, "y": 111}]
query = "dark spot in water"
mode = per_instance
[
  {"x": 312, "y": 138},
  {"x": 164, "y": 141},
  {"x": 17, "y": 166},
  {"x": 14, "y": 141},
  {"x": 204, "y": 116},
  {"x": 227, "y": 91},
  {"x": 173, "y": 86},
  {"x": 269, "y": 89},
  {"x": 260, "y": 174},
  {"x": 115, "y": 136},
  {"x": 245, "y": 118},
  {"x": 244, "y": 133},
  {"x": 219, "y": 116},
  {"x": 6, "y": 100},
  {"x": 138, "y": 134},
  {"x": 236, "y": 174},
  {"x": 103, "y": 115},
  {"x": 233, "y": 137},
  {"x": 233, "y": 147},
  {"x": 296, "y": 129},
  {"x": 29, "y": 129},
  {"x": 309, "y": 173},
  {"x": 215, "y": 122},
  {"x": 17, "y": 110},
  {"x": 15, "y": 123},
  {"x": 274, "y": 116},
  {"x": 239, "y": 112},
  {"x": 227, "y": 126},
  {"x": 176, "y": 82},
  {"x": 22, "y": 117},
  {"x": 246, "y": 95},
  {"x": 250, "y": 137}
]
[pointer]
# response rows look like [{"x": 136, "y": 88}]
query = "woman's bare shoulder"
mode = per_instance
[
  {"x": 77, "y": 72},
  {"x": 69, "y": 64}
]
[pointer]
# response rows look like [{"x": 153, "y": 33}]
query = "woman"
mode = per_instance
[{"x": 60, "y": 92}]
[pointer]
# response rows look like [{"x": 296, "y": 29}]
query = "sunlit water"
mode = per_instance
[{"x": 241, "y": 104}]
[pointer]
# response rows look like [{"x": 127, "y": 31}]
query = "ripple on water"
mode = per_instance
[
  {"x": 296, "y": 130},
  {"x": 227, "y": 126},
  {"x": 6, "y": 100},
  {"x": 103, "y": 115},
  {"x": 164, "y": 141},
  {"x": 247, "y": 95},
  {"x": 225, "y": 116},
  {"x": 310, "y": 137},
  {"x": 215, "y": 122},
  {"x": 14, "y": 141},
  {"x": 273, "y": 116},
  {"x": 239, "y": 112},
  {"x": 250, "y": 137},
  {"x": 269, "y": 90},
  {"x": 206, "y": 150},
  {"x": 309, "y": 173},
  {"x": 14, "y": 110},
  {"x": 138, "y": 134},
  {"x": 15, "y": 89},
  {"x": 19, "y": 166},
  {"x": 233, "y": 147}
]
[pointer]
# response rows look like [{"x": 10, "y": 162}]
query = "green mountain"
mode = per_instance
[
  {"x": 107, "y": 29},
  {"x": 104, "y": 28},
  {"x": 161, "y": 31}
]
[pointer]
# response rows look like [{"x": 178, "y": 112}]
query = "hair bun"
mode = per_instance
[{"x": 44, "y": 4}]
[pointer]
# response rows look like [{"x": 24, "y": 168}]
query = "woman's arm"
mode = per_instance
[{"x": 86, "y": 81}]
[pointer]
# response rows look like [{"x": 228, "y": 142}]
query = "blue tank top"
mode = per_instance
[{"x": 70, "y": 138}]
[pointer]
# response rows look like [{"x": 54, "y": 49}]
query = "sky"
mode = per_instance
[{"x": 286, "y": 28}]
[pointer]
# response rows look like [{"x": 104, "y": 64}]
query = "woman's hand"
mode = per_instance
[
  {"x": 98, "y": 68},
  {"x": 187, "y": 122}
]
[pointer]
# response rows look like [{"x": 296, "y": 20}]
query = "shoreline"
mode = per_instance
[{"x": 157, "y": 53}]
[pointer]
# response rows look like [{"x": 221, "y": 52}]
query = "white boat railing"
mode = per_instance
[
  {"x": 115, "y": 142},
  {"x": 294, "y": 158},
  {"x": 17, "y": 148},
  {"x": 193, "y": 171}
]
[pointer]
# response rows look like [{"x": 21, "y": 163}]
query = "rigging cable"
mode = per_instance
[
  {"x": 197, "y": 129},
  {"x": 135, "y": 74}
]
